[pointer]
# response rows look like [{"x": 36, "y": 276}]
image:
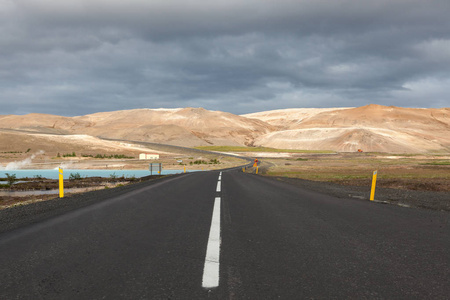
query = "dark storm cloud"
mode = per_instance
[{"x": 77, "y": 57}]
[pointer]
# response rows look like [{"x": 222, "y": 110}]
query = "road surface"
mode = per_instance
[{"x": 265, "y": 240}]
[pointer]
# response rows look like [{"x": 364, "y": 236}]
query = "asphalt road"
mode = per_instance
[{"x": 278, "y": 241}]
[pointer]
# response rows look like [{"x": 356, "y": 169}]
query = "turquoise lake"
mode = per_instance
[{"x": 53, "y": 174}]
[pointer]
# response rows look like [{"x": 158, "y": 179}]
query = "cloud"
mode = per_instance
[{"x": 76, "y": 57}]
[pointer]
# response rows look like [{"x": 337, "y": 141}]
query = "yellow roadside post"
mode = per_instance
[
  {"x": 184, "y": 169},
  {"x": 243, "y": 170},
  {"x": 61, "y": 183},
  {"x": 256, "y": 169},
  {"x": 374, "y": 182}
]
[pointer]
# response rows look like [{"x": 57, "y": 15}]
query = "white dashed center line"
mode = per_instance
[
  {"x": 211, "y": 269},
  {"x": 218, "y": 186},
  {"x": 212, "y": 259}
]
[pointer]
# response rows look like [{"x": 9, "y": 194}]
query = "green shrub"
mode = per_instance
[
  {"x": 11, "y": 178},
  {"x": 74, "y": 176},
  {"x": 117, "y": 156},
  {"x": 70, "y": 154},
  {"x": 199, "y": 162}
]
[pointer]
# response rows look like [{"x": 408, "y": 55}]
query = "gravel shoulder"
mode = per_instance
[{"x": 407, "y": 198}]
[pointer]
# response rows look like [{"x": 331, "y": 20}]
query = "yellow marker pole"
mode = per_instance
[
  {"x": 256, "y": 169},
  {"x": 61, "y": 183},
  {"x": 184, "y": 169},
  {"x": 243, "y": 170},
  {"x": 374, "y": 182}
]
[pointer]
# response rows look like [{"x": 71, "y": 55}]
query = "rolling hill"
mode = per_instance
[{"x": 371, "y": 128}]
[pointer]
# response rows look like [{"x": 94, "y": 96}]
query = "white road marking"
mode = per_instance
[
  {"x": 212, "y": 263},
  {"x": 219, "y": 185}
]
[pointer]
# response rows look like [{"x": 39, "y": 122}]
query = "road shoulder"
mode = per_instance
[
  {"x": 19, "y": 216},
  {"x": 408, "y": 198}
]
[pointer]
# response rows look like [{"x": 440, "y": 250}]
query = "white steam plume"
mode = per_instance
[{"x": 16, "y": 165}]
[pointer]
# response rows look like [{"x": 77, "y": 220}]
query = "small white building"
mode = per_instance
[{"x": 148, "y": 156}]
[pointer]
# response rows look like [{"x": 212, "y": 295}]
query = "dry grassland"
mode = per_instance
[{"x": 412, "y": 172}]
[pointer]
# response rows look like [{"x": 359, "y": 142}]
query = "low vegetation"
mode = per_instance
[
  {"x": 438, "y": 163},
  {"x": 75, "y": 176},
  {"x": 258, "y": 149},
  {"x": 11, "y": 179},
  {"x": 198, "y": 162},
  {"x": 73, "y": 154},
  {"x": 408, "y": 172},
  {"x": 213, "y": 161},
  {"x": 102, "y": 156}
]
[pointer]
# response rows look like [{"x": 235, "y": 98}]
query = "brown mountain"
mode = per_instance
[
  {"x": 183, "y": 127},
  {"x": 371, "y": 127}
]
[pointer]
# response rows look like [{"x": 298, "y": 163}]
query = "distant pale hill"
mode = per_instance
[
  {"x": 371, "y": 128},
  {"x": 184, "y": 127},
  {"x": 289, "y": 118}
]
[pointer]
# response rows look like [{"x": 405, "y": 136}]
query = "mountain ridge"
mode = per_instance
[{"x": 371, "y": 127}]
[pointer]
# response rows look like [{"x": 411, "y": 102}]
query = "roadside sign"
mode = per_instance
[
  {"x": 256, "y": 162},
  {"x": 155, "y": 167}
]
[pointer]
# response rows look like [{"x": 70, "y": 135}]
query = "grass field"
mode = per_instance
[{"x": 405, "y": 172}]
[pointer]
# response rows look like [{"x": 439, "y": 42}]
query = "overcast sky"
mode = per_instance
[{"x": 77, "y": 57}]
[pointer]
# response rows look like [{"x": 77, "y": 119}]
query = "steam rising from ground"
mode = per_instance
[
  {"x": 16, "y": 165},
  {"x": 64, "y": 165}
]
